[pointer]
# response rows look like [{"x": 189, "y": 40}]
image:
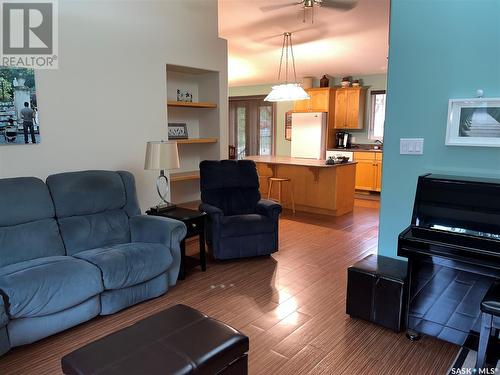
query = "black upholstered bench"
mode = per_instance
[
  {"x": 179, "y": 340},
  {"x": 376, "y": 288}
]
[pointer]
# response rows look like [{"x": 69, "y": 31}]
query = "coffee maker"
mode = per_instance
[{"x": 343, "y": 140}]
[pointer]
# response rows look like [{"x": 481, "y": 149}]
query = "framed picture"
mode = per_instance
[
  {"x": 177, "y": 131},
  {"x": 288, "y": 125},
  {"x": 473, "y": 122},
  {"x": 19, "y": 119}
]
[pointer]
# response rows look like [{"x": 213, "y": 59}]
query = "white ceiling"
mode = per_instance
[{"x": 339, "y": 42}]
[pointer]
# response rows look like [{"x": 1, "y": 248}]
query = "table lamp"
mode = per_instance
[{"x": 161, "y": 156}]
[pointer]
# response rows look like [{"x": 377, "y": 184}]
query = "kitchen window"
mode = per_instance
[
  {"x": 252, "y": 126},
  {"x": 377, "y": 114}
]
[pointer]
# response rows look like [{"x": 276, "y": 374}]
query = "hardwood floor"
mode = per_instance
[{"x": 291, "y": 305}]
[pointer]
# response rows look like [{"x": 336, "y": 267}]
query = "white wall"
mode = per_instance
[{"x": 107, "y": 99}]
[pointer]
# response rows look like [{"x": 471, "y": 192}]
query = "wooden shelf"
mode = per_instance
[
  {"x": 195, "y": 140},
  {"x": 184, "y": 176},
  {"x": 173, "y": 103}
]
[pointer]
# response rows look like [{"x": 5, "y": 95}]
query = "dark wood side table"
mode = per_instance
[{"x": 195, "y": 223}]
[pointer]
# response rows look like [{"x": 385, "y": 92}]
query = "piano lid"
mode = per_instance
[{"x": 461, "y": 205}]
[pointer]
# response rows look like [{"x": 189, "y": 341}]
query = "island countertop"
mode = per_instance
[
  {"x": 315, "y": 186},
  {"x": 287, "y": 160}
]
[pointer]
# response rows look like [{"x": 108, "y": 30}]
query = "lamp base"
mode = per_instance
[{"x": 163, "y": 207}]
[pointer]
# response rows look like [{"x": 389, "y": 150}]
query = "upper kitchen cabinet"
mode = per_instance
[
  {"x": 321, "y": 100},
  {"x": 349, "y": 108}
]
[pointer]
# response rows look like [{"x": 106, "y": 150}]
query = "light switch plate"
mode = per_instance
[{"x": 411, "y": 146}]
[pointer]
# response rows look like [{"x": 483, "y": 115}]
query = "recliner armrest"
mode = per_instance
[
  {"x": 268, "y": 208},
  {"x": 214, "y": 212},
  {"x": 166, "y": 231}
]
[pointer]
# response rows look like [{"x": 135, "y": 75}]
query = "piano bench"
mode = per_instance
[
  {"x": 490, "y": 309},
  {"x": 376, "y": 291}
]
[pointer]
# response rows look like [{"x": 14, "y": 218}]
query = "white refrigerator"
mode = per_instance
[{"x": 309, "y": 135}]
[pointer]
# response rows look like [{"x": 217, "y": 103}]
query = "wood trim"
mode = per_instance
[
  {"x": 184, "y": 176},
  {"x": 173, "y": 103},
  {"x": 196, "y": 140}
]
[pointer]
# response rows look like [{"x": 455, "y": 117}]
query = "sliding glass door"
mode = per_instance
[{"x": 251, "y": 126}]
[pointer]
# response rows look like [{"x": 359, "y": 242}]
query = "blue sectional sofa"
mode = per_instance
[{"x": 77, "y": 247}]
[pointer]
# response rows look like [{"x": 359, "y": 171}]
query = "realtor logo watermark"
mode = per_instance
[{"x": 29, "y": 34}]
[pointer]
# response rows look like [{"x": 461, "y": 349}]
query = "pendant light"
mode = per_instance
[{"x": 287, "y": 91}]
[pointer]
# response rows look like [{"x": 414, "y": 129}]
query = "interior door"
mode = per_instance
[
  {"x": 340, "y": 109},
  {"x": 251, "y": 126}
]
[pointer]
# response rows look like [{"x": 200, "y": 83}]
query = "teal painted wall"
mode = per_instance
[
  {"x": 439, "y": 49},
  {"x": 373, "y": 82}
]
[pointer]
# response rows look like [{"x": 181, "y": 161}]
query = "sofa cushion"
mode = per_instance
[
  {"x": 24, "y": 199},
  {"x": 86, "y": 192},
  {"x": 94, "y": 231},
  {"x": 128, "y": 264},
  {"x": 244, "y": 225},
  {"x": 48, "y": 285},
  {"x": 27, "y": 241}
]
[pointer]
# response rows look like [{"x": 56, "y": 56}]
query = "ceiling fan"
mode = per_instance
[{"x": 309, "y": 5}]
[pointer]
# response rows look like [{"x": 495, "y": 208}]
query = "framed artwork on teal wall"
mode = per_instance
[{"x": 473, "y": 122}]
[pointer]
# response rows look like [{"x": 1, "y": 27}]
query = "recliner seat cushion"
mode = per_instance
[
  {"x": 244, "y": 225},
  {"x": 48, "y": 285},
  {"x": 87, "y": 232},
  {"x": 128, "y": 264}
]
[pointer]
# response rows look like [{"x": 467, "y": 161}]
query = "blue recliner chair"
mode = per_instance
[{"x": 240, "y": 224}]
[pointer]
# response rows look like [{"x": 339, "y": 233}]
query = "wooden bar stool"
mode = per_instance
[
  {"x": 280, "y": 188},
  {"x": 490, "y": 309}
]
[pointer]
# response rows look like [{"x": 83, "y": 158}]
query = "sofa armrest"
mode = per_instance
[
  {"x": 215, "y": 213},
  {"x": 268, "y": 208},
  {"x": 157, "y": 229}
]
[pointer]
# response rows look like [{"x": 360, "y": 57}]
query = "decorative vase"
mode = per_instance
[{"x": 324, "y": 81}]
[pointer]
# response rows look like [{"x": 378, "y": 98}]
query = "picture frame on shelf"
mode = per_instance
[
  {"x": 288, "y": 125},
  {"x": 177, "y": 131},
  {"x": 184, "y": 96},
  {"x": 473, "y": 122}
]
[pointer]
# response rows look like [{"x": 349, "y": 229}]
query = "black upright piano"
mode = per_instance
[{"x": 453, "y": 251}]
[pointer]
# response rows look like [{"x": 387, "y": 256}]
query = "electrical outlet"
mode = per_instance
[{"x": 411, "y": 146}]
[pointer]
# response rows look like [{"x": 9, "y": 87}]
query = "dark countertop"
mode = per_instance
[{"x": 357, "y": 148}]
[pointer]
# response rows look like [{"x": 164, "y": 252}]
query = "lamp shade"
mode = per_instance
[
  {"x": 287, "y": 92},
  {"x": 161, "y": 155}
]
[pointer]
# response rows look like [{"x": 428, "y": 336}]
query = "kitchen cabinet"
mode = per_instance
[
  {"x": 368, "y": 170},
  {"x": 349, "y": 107},
  {"x": 319, "y": 100}
]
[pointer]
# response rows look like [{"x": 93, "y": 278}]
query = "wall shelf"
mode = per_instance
[
  {"x": 173, "y": 103},
  {"x": 184, "y": 176},
  {"x": 195, "y": 140}
]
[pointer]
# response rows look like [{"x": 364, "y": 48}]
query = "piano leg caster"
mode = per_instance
[{"x": 413, "y": 336}]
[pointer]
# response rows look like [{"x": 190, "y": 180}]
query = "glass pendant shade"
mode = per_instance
[{"x": 287, "y": 92}]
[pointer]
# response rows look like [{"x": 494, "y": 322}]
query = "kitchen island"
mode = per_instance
[{"x": 317, "y": 187}]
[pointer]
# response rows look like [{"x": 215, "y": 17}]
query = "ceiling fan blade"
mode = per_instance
[
  {"x": 338, "y": 4},
  {"x": 268, "y": 8}
]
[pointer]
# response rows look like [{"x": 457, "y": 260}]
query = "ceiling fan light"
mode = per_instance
[{"x": 287, "y": 92}]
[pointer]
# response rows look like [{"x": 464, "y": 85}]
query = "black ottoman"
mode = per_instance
[
  {"x": 376, "y": 291},
  {"x": 179, "y": 340}
]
